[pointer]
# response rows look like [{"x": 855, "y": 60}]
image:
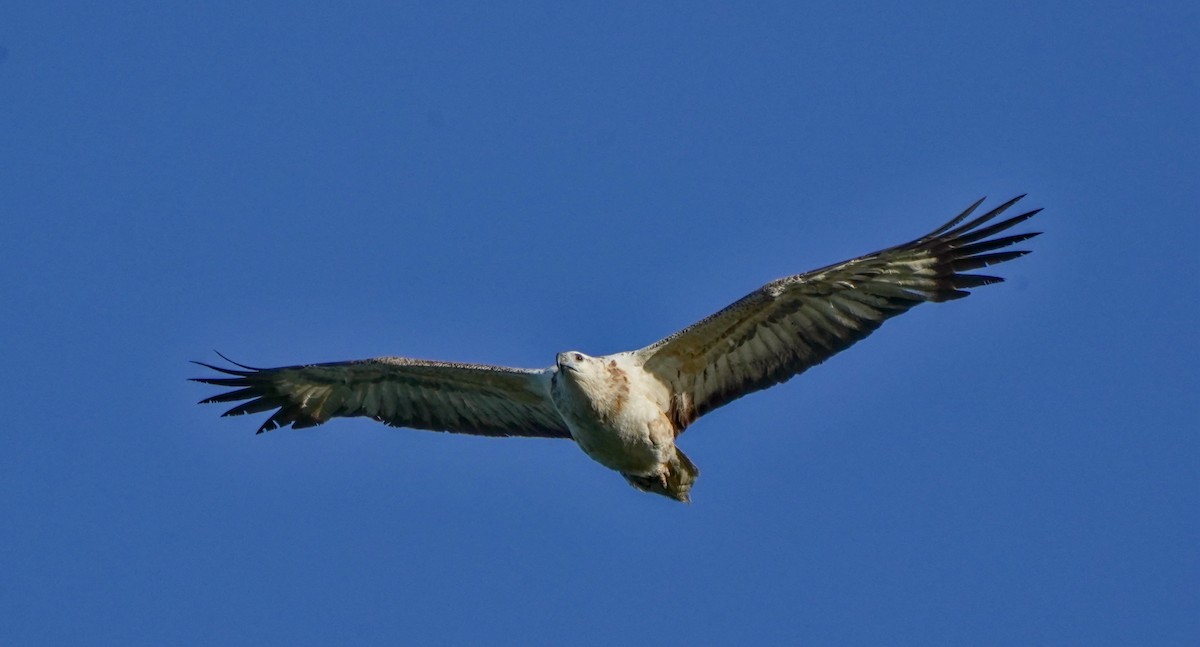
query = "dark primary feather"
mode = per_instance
[
  {"x": 794, "y": 323},
  {"x": 403, "y": 392}
]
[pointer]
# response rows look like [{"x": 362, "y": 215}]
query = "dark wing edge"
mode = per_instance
[
  {"x": 398, "y": 391},
  {"x": 794, "y": 323}
]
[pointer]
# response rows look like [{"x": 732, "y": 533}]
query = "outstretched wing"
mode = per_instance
[
  {"x": 791, "y": 324},
  {"x": 402, "y": 392}
]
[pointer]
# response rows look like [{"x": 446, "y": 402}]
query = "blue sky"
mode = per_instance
[{"x": 291, "y": 184}]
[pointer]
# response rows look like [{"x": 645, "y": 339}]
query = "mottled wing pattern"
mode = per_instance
[
  {"x": 402, "y": 392},
  {"x": 791, "y": 324}
]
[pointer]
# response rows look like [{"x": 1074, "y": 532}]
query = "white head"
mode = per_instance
[
  {"x": 596, "y": 380},
  {"x": 575, "y": 363}
]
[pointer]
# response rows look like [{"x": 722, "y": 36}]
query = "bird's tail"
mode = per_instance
[{"x": 676, "y": 483}]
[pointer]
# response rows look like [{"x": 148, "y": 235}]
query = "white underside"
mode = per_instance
[
  {"x": 634, "y": 437},
  {"x": 634, "y": 445}
]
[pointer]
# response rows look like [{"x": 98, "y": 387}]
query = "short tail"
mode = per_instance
[{"x": 676, "y": 483}]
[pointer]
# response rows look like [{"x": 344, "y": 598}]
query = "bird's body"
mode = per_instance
[
  {"x": 618, "y": 414},
  {"x": 626, "y": 410}
]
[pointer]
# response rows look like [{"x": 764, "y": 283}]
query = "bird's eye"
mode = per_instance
[{"x": 578, "y": 357}]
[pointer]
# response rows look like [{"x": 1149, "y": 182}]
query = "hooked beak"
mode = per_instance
[{"x": 563, "y": 360}]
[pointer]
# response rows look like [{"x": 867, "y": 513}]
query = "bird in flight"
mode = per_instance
[{"x": 626, "y": 410}]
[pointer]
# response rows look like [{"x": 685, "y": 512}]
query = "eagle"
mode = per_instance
[{"x": 626, "y": 410}]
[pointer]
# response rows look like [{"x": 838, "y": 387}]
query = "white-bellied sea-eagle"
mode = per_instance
[{"x": 626, "y": 410}]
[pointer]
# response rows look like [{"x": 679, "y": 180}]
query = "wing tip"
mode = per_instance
[
  {"x": 972, "y": 246},
  {"x": 252, "y": 393}
]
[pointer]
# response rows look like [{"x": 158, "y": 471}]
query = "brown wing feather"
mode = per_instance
[
  {"x": 789, "y": 325},
  {"x": 402, "y": 392}
]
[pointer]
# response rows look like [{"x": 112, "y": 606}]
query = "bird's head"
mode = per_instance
[{"x": 574, "y": 362}]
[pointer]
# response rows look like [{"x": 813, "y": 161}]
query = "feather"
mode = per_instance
[
  {"x": 828, "y": 309},
  {"x": 487, "y": 400}
]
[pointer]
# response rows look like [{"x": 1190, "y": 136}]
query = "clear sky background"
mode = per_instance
[{"x": 290, "y": 183}]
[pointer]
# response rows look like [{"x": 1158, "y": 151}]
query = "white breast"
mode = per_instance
[{"x": 616, "y": 413}]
